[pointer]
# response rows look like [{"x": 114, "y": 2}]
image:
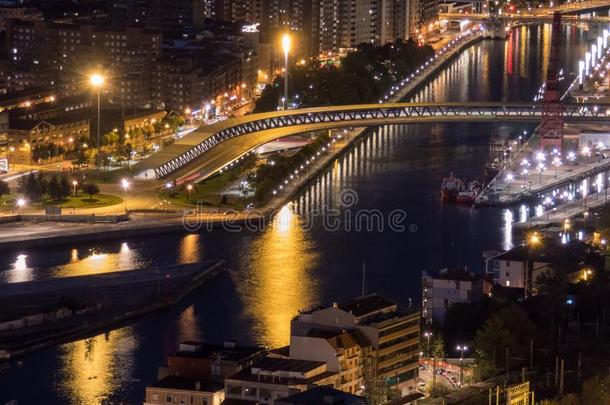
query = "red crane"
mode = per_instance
[{"x": 551, "y": 127}]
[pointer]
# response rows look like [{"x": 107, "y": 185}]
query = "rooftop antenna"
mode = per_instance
[{"x": 363, "y": 276}]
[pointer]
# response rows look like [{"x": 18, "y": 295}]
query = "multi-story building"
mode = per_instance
[
  {"x": 521, "y": 266},
  {"x": 342, "y": 351},
  {"x": 184, "y": 390},
  {"x": 61, "y": 55},
  {"x": 18, "y": 12},
  {"x": 393, "y": 335},
  {"x": 161, "y": 15},
  {"x": 211, "y": 361},
  {"x": 27, "y": 137},
  {"x": 322, "y": 395},
  {"x": 440, "y": 291},
  {"x": 273, "y": 378}
]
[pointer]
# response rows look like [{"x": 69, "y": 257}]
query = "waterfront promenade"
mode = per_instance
[{"x": 39, "y": 234}]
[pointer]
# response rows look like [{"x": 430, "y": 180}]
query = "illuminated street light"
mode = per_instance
[
  {"x": 74, "y": 184},
  {"x": 462, "y": 349},
  {"x": 189, "y": 188},
  {"x": 97, "y": 82},
  {"x": 20, "y": 203},
  {"x": 125, "y": 186},
  {"x": 534, "y": 239},
  {"x": 427, "y": 336},
  {"x": 286, "y": 42}
]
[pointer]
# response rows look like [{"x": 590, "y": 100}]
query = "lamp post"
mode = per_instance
[
  {"x": 125, "y": 186},
  {"x": 427, "y": 336},
  {"x": 189, "y": 188},
  {"x": 74, "y": 184},
  {"x": 462, "y": 349},
  {"x": 97, "y": 81},
  {"x": 20, "y": 204},
  {"x": 286, "y": 47}
]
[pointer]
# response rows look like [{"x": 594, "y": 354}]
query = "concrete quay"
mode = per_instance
[
  {"x": 26, "y": 235},
  {"x": 108, "y": 300}
]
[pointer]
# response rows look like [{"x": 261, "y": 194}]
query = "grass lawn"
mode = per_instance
[
  {"x": 209, "y": 193},
  {"x": 83, "y": 201},
  {"x": 7, "y": 202}
]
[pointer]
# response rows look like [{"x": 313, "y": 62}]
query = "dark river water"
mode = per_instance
[{"x": 297, "y": 263}]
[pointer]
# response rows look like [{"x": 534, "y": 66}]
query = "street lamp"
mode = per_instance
[
  {"x": 286, "y": 47},
  {"x": 462, "y": 349},
  {"x": 125, "y": 186},
  {"x": 20, "y": 203},
  {"x": 427, "y": 336},
  {"x": 189, "y": 188},
  {"x": 97, "y": 82},
  {"x": 74, "y": 184}
]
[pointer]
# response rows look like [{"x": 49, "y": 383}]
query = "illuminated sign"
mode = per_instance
[
  {"x": 3, "y": 165},
  {"x": 250, "y": 28},
  {"x": 518, "y": 394}
]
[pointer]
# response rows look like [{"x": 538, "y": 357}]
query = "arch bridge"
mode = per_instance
[{"x": 206, "y": 150}]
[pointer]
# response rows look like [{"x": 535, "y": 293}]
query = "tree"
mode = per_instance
[
  {"x": 32, "y": 186},
  {"x": 91, "y": 189},
  {"x": 4, "y": 189},
  {"x": 54, "y": 189},
  {"x": 437, "y": 347},
  {"x": 64, "y": 186},
  {"x": 510, "y": 328}
]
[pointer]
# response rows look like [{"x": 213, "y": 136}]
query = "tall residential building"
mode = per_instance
[
  {"x": 273, "y": 378},
  {"x": 46, "y": 54},
  {"x": 393, "y": 335},
  {"x": 163, "y": 15},
  {"x": 448, "y": 287},
  {"x": 342, "y": 351}
]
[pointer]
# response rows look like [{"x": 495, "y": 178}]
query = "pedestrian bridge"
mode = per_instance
[{"x": 206, "y": 150}]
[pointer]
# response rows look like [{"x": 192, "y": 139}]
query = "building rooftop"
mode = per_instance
[
  {"x": 279, "y": 364},
  {"x": 368, "y": 304},
  {"x": 322, "y": 395},
  {"x": 272, "y": 370},
  {"x": 188, "y": 384},
  {"x": 454, "y": 275},
  {"x": 340, "y": 339},
  {"x": 228, "y": 351},
  {"x": 570, "y": 256},
  {"x": 235, "y": 401}
]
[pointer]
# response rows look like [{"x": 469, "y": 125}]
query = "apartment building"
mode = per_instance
[
  {"x": 343, "y": 351},
  {"x": 273, "y": 378},
  {"x": 447, "y": 287},
  {"x": 184, "y": 390},
  {"x": 393, "y": 335}
]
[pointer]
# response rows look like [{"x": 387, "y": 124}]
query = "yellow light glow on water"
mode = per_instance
[
  {"x": 19, "y": 270},
  {"x": 96, "y": 262},
  {"x": 275, "y": 282},
  {"x": 189, "y": 251},
  {"x": 93, "y": 367}
]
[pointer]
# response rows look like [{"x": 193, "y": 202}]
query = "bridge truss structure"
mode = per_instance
[{"x": 305, "y": 120}]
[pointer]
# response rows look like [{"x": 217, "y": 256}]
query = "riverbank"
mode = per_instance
[
  {"x": 98, "y": 302},
  {"x": 19, "y": 237},
  {"x": 351, "y": 138}
]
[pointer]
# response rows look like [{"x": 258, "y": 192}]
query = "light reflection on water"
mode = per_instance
[
  {"x": 274, "y": 280},
  {"x": 274, "y": 271},
  {"x": 90, "y": 261},
  {"x": 91, "y": 368}
]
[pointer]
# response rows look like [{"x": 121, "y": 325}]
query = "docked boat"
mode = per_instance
[
  {"x": 455, "y": 190},
  {"x": 468, "y": 194},
  {"x": 450, "y": 188}
]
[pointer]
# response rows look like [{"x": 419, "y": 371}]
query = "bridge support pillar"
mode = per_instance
[{"x": 496, "y": 28}]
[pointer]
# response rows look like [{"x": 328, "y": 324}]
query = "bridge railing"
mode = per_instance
[{"x": 359, "y": 115}]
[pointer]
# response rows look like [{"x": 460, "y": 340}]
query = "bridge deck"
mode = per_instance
[{"x": 232, "y": 138}]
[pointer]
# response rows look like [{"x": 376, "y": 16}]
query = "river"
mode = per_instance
[{"x": 298, "y": 262}]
